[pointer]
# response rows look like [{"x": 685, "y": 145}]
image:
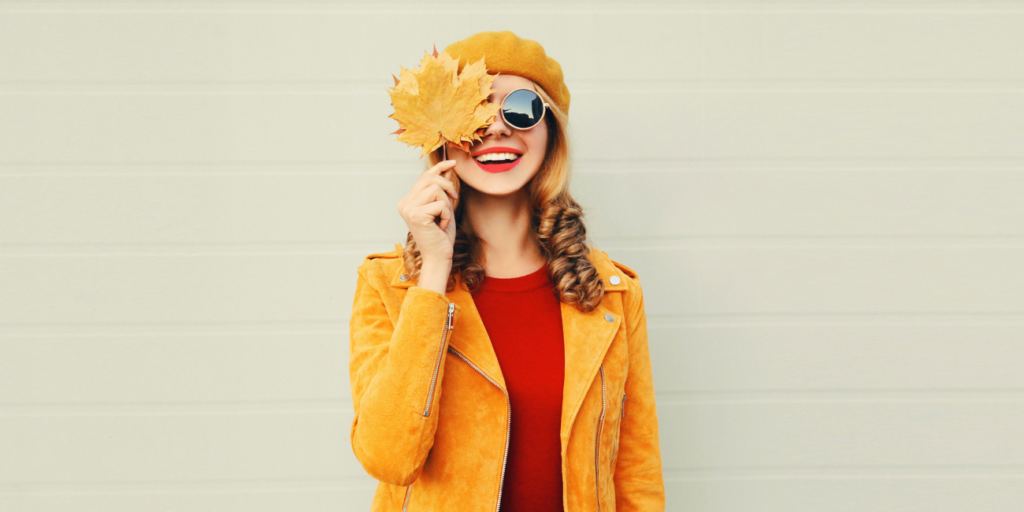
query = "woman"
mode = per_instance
[{"x": 497, "y": 361}]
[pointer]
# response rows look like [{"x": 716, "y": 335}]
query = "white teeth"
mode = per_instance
[{"x": 490, "y": 157}]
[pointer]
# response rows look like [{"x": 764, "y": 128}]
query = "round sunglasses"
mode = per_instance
[{"x": 523, "y": 109}]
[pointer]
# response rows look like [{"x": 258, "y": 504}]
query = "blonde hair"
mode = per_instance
[{"x": 556, "y": 225}]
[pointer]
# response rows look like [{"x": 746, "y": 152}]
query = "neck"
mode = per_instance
[{"x": 502, "y": 223}]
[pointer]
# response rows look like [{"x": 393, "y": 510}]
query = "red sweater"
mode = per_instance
[{"x": 524, "y": 321}]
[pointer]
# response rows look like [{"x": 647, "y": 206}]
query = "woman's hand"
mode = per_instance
[{"x": 429, "y": 211}]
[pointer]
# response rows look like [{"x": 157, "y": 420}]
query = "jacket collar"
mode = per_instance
[
  {"x": 605, "y": 268},
  {"x": 587, "y": 336}
]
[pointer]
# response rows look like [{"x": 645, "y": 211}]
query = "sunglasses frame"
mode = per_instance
[{"x": 501, "y": 110}]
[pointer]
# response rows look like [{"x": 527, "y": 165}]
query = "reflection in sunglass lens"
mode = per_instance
[{"x": 522, "y": 109}]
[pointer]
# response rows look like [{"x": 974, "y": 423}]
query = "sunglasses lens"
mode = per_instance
[{"x": 522, "y": 109}]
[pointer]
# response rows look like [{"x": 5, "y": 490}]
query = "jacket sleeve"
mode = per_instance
[
  {"x": 395, "y": 369},
  {"x": 639, "y": 484}
]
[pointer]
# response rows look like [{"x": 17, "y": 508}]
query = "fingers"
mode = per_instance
[
  {"x": 442, "y": 174},
  {"x": 431, "y": 199},
  {"x": 446, "y": 217},
  {"x": 434, "y": 176},
  {"x": 446, "y": 183},
  {"x": 441, "y": 166},
  {"x": 433, "y": 192},
  {"x": 428, "y": 212}
]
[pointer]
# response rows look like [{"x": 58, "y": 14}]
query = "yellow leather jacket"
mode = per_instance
[{"x": 432, "y": 414}]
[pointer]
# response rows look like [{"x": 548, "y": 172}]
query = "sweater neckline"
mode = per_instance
[{"x": 530, "y": 281}]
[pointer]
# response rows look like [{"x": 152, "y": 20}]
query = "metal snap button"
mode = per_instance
[
  {"x": 403, "y": 277},
  {"x": 614, "y": 279},
  {"x": 609, "y": 317}
]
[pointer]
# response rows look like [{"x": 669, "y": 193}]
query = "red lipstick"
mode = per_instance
[{"x": 495, "y": 167}]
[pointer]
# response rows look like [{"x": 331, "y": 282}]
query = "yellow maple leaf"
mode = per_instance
[{"x": 435, "y": 104}]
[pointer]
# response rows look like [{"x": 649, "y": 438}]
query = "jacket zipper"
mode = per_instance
[
  {"x": 508, "y": 424},
  {"x": 597, "y": 447},
  {"x": 437, "y": 365},
  {"x": 408, "y": 492},
  {"x": 621, "y": 417}
]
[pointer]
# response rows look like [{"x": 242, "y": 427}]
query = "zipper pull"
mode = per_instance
[
  {"x": 623, "y": 404},
  {"x": 451, "y": 315}
]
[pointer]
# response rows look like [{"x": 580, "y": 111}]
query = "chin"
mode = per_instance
[
  {"x": 498, "y": 192},
  {"x": 492, "y": 185}
]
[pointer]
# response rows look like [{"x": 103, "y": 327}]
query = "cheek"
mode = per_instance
[
  {"x": 463, "y": 161},
  {"x": 538, "y": 142}
]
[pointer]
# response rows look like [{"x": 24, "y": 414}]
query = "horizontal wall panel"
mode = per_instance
[
  {"x": 196, "y": 288},
  {"x": 226, "y": 128},
  {"x": 176, "y": 368},
  {"x": 229, "y": 287},
  {"x": 675, "y": 199},
  {"x": 743, "y": 42},
  {"x": 822, "y": 278},
  {"x": 213, "y": 497},
  {"x": 803, "y": 356},
  {"x": 800, "y": 199},
  {"x": 983, "y": 492},
  {"x": 627, "y": 126},
  {"x": 216, "y": 208},
  {"x": 869, "y": 433},
  {"x": 175, "y": 446},
  {"x": 300, "y": 445},
  {"x": 784, "y": 361}
]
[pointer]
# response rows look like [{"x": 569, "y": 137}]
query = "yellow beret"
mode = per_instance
[{"x": 505, "y": 52}]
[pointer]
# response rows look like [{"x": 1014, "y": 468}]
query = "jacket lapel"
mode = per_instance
[
  {"x": 587, "y": 336},
  {"x": 470, "y": 336}
]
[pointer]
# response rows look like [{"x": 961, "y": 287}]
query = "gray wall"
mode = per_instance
[{"x": 823, "y": 201}]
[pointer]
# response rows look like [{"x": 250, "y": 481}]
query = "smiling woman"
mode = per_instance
[{"x": 547, "y": 335}]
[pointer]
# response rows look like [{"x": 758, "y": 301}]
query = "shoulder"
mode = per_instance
[
  {"x": 630, "y": 273},
  {"x": 627, "y": 282},
  {"x": 381, "y": 265},
  {"x": 605, "y": 263},
  {"x": 629, "y": 286},
  {"x": 390, "y": 255}
]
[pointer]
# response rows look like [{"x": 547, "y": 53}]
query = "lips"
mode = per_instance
[{"x": 497, "y": 167}]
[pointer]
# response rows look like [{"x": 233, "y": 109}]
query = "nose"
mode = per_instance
[{"x": 498, "y": 127}]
